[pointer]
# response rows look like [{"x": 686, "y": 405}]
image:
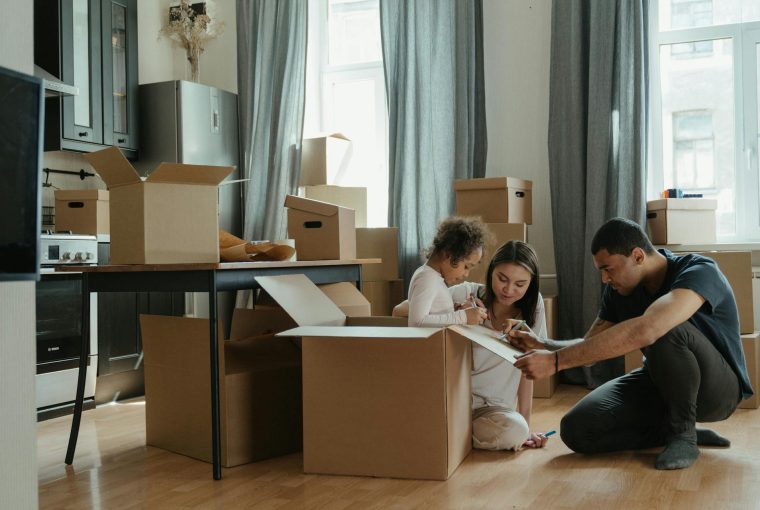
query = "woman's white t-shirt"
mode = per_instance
[{"x": 494, "y": 380}]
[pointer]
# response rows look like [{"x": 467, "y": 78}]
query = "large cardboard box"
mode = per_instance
[
  {"x": 495, "y": 199},
  {"x": 259, "y": 387},
  {"x": 545, "y": 388},
  {"x": 681, "y": 220},
  {"x": 381, "y": 401},
  {"x": 349, "y": 197},
  {"x": 82, "y": 211},
  {"x": 501, "y": 233},
  {"x": 383, "y": 295},
  {"x": 379, "y": 243},
  {"x": 751, "y": 344},
  {"x": 170, "y": 217},
  {"x": 324, "y": 158},
  {"x": 322, "y": 231}
]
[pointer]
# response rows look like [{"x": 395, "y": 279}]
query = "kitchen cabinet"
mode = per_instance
[{"x": 91, "y": 44}]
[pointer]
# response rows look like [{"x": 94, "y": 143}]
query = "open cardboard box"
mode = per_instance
[
  {"x": 259, "y": 387},
  {"x": 380, "y": 401}
]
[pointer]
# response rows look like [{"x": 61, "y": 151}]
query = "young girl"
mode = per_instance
[
  {"x": 457, "y": 248},
  {"x": 501, "y": 396}
]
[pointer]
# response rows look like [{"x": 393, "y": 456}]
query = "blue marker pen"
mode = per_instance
[{"x": 551, "y": 432}]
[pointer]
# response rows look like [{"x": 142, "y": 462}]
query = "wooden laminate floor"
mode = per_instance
[{"x": 113, "y": 469}]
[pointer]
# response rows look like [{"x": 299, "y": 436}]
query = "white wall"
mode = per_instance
[
  {"x": 517, "y": 35},
  {"x": 18, "y": 427},
  {"x": 160, "y": 60}
]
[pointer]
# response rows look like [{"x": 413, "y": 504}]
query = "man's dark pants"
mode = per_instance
[{"x": 686, "y": 380}]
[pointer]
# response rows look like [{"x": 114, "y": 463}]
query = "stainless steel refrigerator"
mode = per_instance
[{"x": 187, "y": 122}]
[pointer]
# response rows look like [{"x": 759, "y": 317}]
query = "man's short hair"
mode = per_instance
[{"x": 619, "y": 236}]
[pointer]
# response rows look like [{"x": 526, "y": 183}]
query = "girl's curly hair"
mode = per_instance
[{"x": 459, "y": 236}]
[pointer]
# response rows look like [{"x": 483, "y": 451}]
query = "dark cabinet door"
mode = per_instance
[
  {"x": 119, "y": 46},
  {"x": 81, "y": 115},
  {"x": 119, "y": 339}
]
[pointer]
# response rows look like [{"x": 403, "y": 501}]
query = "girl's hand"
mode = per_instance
[
  {"x": 536, "y": 440},
  {"x": 476, "y": 315}
]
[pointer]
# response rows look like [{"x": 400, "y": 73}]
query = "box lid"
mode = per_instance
[
  {"x": 682, "y": 203},
  {"x": 190, "y": 174},
  {"x": 492, "y": 183},
  {"x": 313, "y": 206},
  {"x": 317, "y": 136},
  {"x": 82, "y": 194},
  {"x": 303, "y": 300},
  {"x": 113, "y": 167}
]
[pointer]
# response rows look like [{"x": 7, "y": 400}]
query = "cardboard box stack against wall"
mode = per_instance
[
  {"x": 379, "y": 399},
  {"x": 737, "y": 268},
  {"x": 505, "y": 205},
  {"x": 381, "y": 284}
]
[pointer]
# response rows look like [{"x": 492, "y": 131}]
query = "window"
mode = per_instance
[
  {"x": 345, "y": 93},
  {"x": 705, "y": 60}
]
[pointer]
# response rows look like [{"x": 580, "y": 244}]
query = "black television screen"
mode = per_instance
[{"x": 21, "y": 114}]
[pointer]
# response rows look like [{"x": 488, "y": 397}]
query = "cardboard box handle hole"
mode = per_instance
[
  {"x": 312, "y": 224},
  {"x": 75, "y": 205}
]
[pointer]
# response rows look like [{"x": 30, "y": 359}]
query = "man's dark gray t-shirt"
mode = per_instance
[{"x": 717, "y": 318}]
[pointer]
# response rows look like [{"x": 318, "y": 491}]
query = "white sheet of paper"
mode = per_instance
[{"x": 486, "y": 337}]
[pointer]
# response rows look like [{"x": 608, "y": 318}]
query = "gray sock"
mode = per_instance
[
  {"x": 678, "y": 454},
  {"x": 707, "y": 437}
]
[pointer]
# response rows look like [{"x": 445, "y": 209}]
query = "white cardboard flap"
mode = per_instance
[
  {"x": 303, "y": 300},
  {"x": 487, "y": 338},
  {"x": 361, "y": 332}
]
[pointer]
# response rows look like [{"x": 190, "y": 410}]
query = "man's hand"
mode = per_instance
[
  {"x": 524, "y": 339},
  {"x": 536, "y": 364}
]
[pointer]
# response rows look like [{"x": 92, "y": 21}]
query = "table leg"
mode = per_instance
[
  {"x": 216, "y": 450},
  {"x": 82, "y": 376}
]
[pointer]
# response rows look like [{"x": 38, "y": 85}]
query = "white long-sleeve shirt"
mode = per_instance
[{"x": 430, "y": 303}]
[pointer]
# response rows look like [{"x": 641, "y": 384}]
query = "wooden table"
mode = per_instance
[{"x": 211, "y": 278}]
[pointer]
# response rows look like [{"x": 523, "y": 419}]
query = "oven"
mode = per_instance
[{"x": 59, "y": 324}]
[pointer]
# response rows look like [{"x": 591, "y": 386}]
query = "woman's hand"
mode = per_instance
[
  {"x": 536, "y": 440},
  {"x": 524, "y": 338}
]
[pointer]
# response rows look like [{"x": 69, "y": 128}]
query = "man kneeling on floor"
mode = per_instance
[{"x": 680, "y": 311}]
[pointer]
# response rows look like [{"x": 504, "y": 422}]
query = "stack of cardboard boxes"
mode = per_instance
[
  {"x": 323, "y": 218},
  {"x": 381, "y": 284},
  {"x": 505, "y": 205}
]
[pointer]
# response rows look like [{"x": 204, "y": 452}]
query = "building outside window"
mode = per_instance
[{"x": 704, "y": 58}]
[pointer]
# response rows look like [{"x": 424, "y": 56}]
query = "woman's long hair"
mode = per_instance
[{"x": 516, "y": 252}]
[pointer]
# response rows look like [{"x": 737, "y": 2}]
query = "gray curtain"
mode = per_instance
[
  {"x": 597, "y": 146},
  {"x": 271, "y": 46},
  {"x": 433, "y": 57}
]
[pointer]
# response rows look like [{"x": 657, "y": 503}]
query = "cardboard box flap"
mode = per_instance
[
  {"x": 312, "y": 206},
  {"x": 487, "y": 338},
  {"x": 190, "y": 174},
  {"x": 113, "y": 167},
  {"x": 303, "y": 300},
  {"x": 328, "y": 135},
  {"x": 361, "y": 332},
  {"x": 682, "y": 204},
  {"x": 81, "y": 194},
  {"x": 491, "y": 183}
]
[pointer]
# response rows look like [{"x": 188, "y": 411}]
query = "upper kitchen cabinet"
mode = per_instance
[{"x": 91, "y": 44}]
